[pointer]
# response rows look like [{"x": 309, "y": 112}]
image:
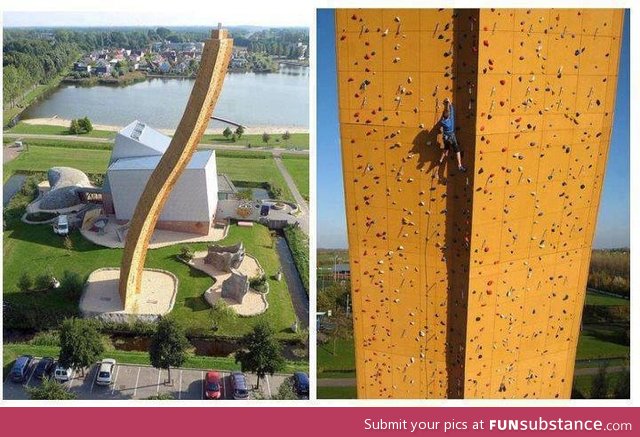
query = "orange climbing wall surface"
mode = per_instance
[
  {"x": 546, "y": 89},
  {"x": 470, "y": 284}
]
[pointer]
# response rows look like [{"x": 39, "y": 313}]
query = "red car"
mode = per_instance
[{"x": 212, "y": 385}]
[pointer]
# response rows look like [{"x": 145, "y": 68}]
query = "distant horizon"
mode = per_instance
[{"x": 257, "y": 17}]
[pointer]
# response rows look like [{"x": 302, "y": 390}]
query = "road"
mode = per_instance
[
  {"x": 141, "y": 382},
  {"x": 297, "y": 292},
  {"x": 274, "y": 151},
  {"x": 11, "y": 187},
  {"x": 302, "y": 203}
]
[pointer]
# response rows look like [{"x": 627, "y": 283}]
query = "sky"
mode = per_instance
[
  {"x": 65, "y": 13},
  {"x": 613, "y": 220}
]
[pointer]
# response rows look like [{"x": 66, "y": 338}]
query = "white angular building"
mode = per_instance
[{"x": 192, "y": 204}]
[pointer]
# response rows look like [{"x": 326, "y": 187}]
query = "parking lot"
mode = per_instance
[{"x": 142, "y": 382}]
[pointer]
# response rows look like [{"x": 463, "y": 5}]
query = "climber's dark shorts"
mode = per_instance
[{"x": 451, "y": 142}]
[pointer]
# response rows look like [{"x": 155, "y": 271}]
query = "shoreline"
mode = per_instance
[{"x": 251, "y": 130}]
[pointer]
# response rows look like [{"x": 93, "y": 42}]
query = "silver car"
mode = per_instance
[{"x": 105, "y": 371}]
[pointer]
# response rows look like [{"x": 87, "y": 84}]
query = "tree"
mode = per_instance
[
  {"x": 239, "y": 131},
  {"x": 342, "y": 328},
  {"x": 50, "y": 389},
  {"x": 599, "y": 386},
  {"x": 623, "y": 387},
  {"x": 266, "y": 137},
  {"x": 71, "y": 284},
  {"x": 286, "y": 135},
  {"x": 286, "y": 391},
  {"x": 168, "y": 346},
  {"x": 25, "y": 282},
  {"x": 227, "y": 132},
  {"x": 261, "y": 353},
  {"x": 74, "y": 128},
  {"x": 85, "y": 124},
  {"x": 81, "y": 344}
]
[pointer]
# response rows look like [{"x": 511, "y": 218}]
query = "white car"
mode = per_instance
[
  {"x": 105, "y": 371},
  {"x": 62, "y": 374}
]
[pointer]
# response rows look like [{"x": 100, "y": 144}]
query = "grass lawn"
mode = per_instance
[
  {"x": 297, "y": 140},
  {"x": 94, "y": 157},
  {"x": 343, "y": 362},
  {"x": 602, "y": 341},
  {"x": 43, "y": 129},
  {"x": 583, "y": 383},
  {"x": 13, "y": 350},
  {"x": 254, "y": 170},
  {"x": 337, "y": 393},
  {"x": 39, "y": 158},
  {"x": 34, "y": 248},
  {"x": 298, "y": 168},
  {"x": 604, "y": 300}
]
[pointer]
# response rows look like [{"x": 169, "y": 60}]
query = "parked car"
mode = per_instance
[
  {"x": 301, "y": 383},
  {"x": 212, "y": 385},
  {"x": 239, "y": 386},
  {"x": 44, "y": 368},
  {"x": 62, "y": 374},
  {"x": 264, "y": 210},
  {"x": 105, "y": 371},
  {"x": 21, "y": 368},
  {"x": 61, "y": 227}
]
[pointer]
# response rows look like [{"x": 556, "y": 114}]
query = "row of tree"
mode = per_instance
[
  {"x": 81, "y": 345},
  {"x": 30, "y": 62},
  {"x": 610, "y": 271}
]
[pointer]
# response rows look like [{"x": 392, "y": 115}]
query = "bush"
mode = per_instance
[
  {"x": 299, "y": 246},
  {"x": 259, "y": 284},
  {"x": 43, "y": 281},
  {"x": 46, "y": 338},
  {"x": 71, "y": 284},
  {"x": 186, "y": 253},
  {"x": 25, "y": 283}
]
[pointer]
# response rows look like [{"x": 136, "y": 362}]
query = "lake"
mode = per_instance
[{"x": 251, "y": 99}]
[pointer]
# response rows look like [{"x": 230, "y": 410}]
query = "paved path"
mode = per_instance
[
  {"x": 11, "y": 187},
  {"x": 298, "y": 294},
  {"x": 336, "y": 382},
  {"x": 274, "y": 151},
  {"x": 302, "y": 204},
  {"x": 595, "y": 370}
]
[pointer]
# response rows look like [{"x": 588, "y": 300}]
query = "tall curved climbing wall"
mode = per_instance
[{"x": 472, "y": 284}]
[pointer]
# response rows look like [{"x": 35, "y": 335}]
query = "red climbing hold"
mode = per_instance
[{"x": 486, "y": 43}]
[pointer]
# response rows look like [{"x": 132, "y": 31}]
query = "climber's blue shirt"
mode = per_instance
[{"x": 448, "y": 124}]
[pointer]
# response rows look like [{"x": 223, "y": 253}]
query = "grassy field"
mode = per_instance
[
  {"x": 297, "y": 140},
  {"x": 604, "y": 300},
  {"x": 337, "y": 393},
  {"x": 36, "y": 248},
  {"x": 92, "y": 158},
  {"x": 602, "y": 341},
  {"x": 254, "y": 170},
  {"x": 13, "y": 350},
  {"x": 43, "y": 129},
  {"x": 40, "y": 158},
  {"x": 342, "y": 364},
  {"x": 298, "y": 168}
]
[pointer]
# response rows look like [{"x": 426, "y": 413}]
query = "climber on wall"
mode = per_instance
[{"x": 448, "y": 126}]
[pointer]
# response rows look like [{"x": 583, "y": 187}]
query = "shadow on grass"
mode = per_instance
[
  {"x": 196, "y": 303},
  {"x": 610, "y": 333}
]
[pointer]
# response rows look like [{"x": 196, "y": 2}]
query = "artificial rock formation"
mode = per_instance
[
  {"x": 225, "y": 258},
  {"x": 471, "y": 285},
  {"x": 64, "y": 183},
  {"x": 204, "y": 95},
  {"x": 235, "y": 287}
]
